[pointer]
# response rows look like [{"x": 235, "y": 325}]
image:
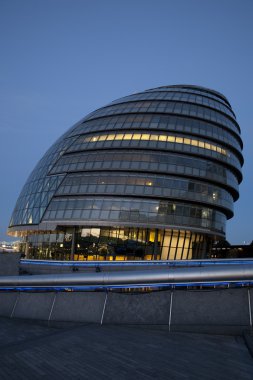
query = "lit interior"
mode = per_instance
[{"x": 156, "y": 137}]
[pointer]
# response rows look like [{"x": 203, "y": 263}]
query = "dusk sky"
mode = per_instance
[{"x": 61, "y": 59}]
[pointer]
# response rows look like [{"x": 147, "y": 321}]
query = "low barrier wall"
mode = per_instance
[
  {"x": 226, "y": 311},
  {"x": 9, "y": 264}
]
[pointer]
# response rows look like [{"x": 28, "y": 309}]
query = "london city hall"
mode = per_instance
[{"x": 151, "y": 176}]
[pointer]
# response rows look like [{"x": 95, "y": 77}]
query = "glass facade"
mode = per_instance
[
  {"x": 177, "y": 108},
  {"x": 151, "y": 176},
  {"x": 143, "y": 185},
  {"x": 110, "y": 243},
  {"x": 179, "y": 96},
  {"x": 165, "y": 123}
]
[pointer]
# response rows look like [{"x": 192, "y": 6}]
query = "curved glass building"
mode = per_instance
[{"x": 150, "y": 176}]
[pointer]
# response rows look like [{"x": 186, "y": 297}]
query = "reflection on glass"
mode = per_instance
[{"x": 125, "y": 243}]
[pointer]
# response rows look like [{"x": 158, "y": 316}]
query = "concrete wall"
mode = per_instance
[
  {"x": 7, "y": 303},
  {"x": 210, "y": 310},
  {"x": 37, "y": 305},
  {"x": 217, "y": 311},
  {"x": 147, "y": 308},
  {"x": 78, "y": 307},
  {"x": 9, "y": 264}
]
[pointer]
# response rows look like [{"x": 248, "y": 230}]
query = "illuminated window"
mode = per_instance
[
  {"x": 215, "y": 195},
  {"x": 136, "y": 136},
  {"x": 120, "y": 136},
  {"x": 128, "y": 136},
  {"x": 102, "y": 138},
  {"x": 145, "y": 137},
  {"x": 110, "y": 137},
  {"x": 194, "y": 142},
  {"x": 156, "y": 137}
]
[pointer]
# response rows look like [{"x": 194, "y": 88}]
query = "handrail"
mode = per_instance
[
  {"x": 172, "y": 263},
  {"x": 215, "y": 285},
  {"x": 168, "y": 275}
]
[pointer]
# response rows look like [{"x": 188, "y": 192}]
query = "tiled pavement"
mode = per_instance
[{"x": 29, "y": 350}]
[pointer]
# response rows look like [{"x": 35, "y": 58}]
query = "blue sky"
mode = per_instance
[{"x": 61, "y": 59}]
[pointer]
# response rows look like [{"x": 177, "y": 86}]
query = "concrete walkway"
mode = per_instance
[{"x": 29, "y": 350}]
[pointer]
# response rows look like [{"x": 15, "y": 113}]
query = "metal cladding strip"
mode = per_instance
[{"x": 169, "y": 275}]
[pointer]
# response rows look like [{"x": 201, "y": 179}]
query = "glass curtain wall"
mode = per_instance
[{"x": 117, "y": 244}]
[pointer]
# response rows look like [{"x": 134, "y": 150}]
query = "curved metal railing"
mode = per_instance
[{"x": 167, "y": 277}]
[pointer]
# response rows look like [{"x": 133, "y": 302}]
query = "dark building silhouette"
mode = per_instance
[
  {"x": 153, "y": 176},
  {"x": 223, "y": 250}
]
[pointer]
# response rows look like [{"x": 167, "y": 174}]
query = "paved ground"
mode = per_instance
[{"x": 32, "y": 351}]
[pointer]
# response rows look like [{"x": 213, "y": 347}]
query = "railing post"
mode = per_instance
[
  {"x": 103, "y": 312},
  {"x": 52, "y": 307},
  {"x": 170, "y": 315},
  {"x": 250, "y": 311}
]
